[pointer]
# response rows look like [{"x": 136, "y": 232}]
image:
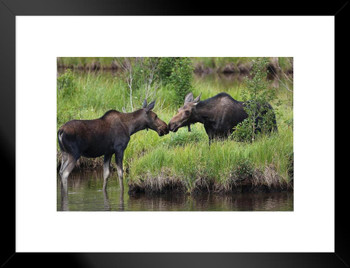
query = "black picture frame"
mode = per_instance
[{"x": 9, "y": 9}]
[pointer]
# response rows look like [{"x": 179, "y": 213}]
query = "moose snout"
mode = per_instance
[
  {"x": 164, "y": 130},
  {"x": 172, "y": 126}
]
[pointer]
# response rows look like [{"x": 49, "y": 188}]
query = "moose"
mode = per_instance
[
  {"x": 219, "y": 114},
  {"x": 107, "y": 135}
]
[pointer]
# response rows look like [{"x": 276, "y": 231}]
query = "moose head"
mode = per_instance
[
  {"x": 152, "y": 120},
  {"x": 186, "y": 114}
]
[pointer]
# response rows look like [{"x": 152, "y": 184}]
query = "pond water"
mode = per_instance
[{"x": 85, "y": 194}]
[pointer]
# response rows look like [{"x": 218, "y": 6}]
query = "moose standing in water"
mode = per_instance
[
  {"x": 219, "y": 114},
  {"x": 107, "y": 135}
]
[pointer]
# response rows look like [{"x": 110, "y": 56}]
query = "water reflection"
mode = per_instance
[
  {"x": 214, "y": 202},
  {"x": 220, "y": 80},
  {"x": 64, "y": 198},
  {"x": 85, "y": 194}
]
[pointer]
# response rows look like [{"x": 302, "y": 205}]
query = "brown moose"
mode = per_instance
[
  {"x": 219, "y": 114},
  {"x": 107, "y": 135}
]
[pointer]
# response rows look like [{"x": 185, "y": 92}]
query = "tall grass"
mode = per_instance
[{"x": 221, "y": 165}]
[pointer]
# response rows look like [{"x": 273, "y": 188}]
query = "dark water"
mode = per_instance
[{"x": 85, "y": 194}]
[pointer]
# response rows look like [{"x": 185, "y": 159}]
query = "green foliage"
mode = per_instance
[
  {"x": 65, "y": 83},
  {"x": 177, "y": 73},
  {"x": 166, "y": 65},
  {"x": 140, "y": 72},
  {"x": 243, "y": 131},
  {"x": 139, "y": 78},
  {"x": 289, "y": 122},
  {"x": 256, "y": 97},
  {"x": 286, "y": 63},
  {"x": 143, "y": 77}
]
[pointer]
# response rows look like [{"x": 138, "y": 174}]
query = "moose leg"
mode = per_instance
[
  {"x": 106, "y": 200},
  {"x": 210, "y": 133},
  {"x": 64, "y": 198},
  {"x": 119, "y": 154},
  {"x": 119, "y": 160},
  {"x": 106, "y": 169},
  {"x": 67, "y": 170},
  {"x": 63, "y": 161},
  {"x": 211, "y": 138}
]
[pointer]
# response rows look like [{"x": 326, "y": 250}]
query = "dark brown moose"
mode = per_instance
[
  {"x": 219, "y": 114},
  {"x": 107, "y": 135}
]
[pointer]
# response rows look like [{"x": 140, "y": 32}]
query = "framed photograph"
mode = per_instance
[{"x": 169, "y": 140}]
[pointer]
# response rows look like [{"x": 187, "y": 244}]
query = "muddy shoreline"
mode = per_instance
[
  {"x": 266, "y": 181},
  {"x": 244, "y": 185},
  {"x": 135, "y": 191}
]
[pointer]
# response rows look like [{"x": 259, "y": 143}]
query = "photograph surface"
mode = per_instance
[{"x": 175, "y": 134}]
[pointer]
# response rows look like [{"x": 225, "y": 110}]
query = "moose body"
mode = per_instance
[
  {"x": 107, "y": 135},
  {"x": 219, "y": 114}
]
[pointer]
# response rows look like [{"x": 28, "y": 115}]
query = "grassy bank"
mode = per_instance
[
  {"x": 183, "y": 161},
  {"x": 190, "y": 165}
]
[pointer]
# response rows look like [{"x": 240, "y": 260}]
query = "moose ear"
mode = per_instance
[
  {"x": 144, "y": 104},
  {"x": 198, "y": 98},
  {"x": 189, "y": 97},
  {"x": 150, "y": 106}
]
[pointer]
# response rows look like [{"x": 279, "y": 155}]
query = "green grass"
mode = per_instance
[
  {"x": 221, "y": 164},
  {"x": 183, "y": 158}
]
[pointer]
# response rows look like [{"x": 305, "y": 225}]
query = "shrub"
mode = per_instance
[
  {"x": 256, "y": 97},
  {"x": 177, "y": 73},
  {"x": 65, "y": 83},
  {"x": 243, "y": 132}
]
